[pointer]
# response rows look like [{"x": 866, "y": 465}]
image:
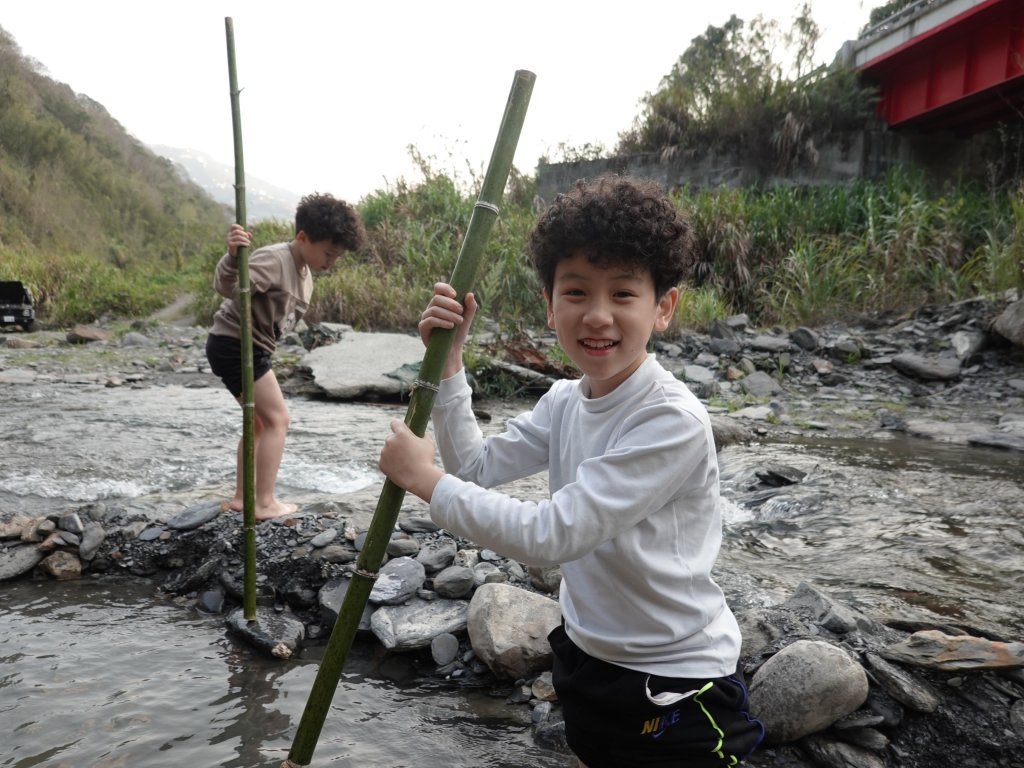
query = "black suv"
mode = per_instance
[{"x": 16, "y": 306}]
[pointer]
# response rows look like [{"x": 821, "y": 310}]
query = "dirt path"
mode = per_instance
[{"x": 177, "y": 312}]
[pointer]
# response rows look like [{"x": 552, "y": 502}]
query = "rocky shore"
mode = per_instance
[{"x": 833, "y": 686}]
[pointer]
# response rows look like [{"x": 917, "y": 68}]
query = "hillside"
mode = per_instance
[
  {"x": 263, "y": 200},
  {"x": 74, "y": 183}
]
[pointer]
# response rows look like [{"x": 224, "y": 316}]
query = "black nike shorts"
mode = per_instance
[{"x": 620, "y": 718}]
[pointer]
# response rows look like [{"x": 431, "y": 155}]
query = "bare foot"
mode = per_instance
[
  {"x": 231, "y": 506},
  {"x": 279, "y": 509}
]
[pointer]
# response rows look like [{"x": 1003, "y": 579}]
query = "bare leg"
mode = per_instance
[
  {"x": 237, "y": 503},
  {"x": 272, "y": 415}
]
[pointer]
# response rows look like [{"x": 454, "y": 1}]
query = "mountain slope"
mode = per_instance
[
  {"x": 263, "y": 200},
  {"x": 74, "y": 182}
]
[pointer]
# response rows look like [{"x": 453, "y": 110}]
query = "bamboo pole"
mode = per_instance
[
  {"x": 245, "y": 316},
  {"x": 421, "y": 401}
]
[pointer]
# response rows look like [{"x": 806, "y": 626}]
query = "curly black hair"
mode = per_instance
[
  {"x": 324, "y": 217},
  {"x": 614, "y": 220}
]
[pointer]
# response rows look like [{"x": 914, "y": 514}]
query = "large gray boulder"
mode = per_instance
[
  {"x": 1010, "y": 324},
  {"x": 805, "y": 688},
  {"x": 366, "y": 364},
  {"x": 508, "y": 629}
]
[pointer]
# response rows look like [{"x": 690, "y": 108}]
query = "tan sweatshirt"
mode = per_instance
[{"x": 280, "y": 295}]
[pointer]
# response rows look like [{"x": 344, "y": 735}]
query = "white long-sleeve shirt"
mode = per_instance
[{"x": 632, "y": 518}]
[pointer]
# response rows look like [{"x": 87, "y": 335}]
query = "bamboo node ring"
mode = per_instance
[
  {"x": 487, "y": 206},
  {"x": 424, "y": 384},
  {"x": 371, "y": 575}
]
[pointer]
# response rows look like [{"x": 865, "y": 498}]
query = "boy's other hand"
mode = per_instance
[
  {"x": 445, "y": 311},
  {"x": 408, "y": 461},
  {"x": 238, "y": 238}
]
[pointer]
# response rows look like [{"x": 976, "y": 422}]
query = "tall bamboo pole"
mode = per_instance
[
  {"x": 388, "y": 505},
  {"x": 245, "y": 316}
]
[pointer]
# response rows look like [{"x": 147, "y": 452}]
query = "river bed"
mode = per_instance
[{"x": 108, "y": 672}]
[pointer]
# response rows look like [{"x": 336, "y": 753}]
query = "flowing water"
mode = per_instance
[{"x": 107, "y": 672}]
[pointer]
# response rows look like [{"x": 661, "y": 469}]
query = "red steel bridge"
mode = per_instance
[{"x": 946, "y": 65}]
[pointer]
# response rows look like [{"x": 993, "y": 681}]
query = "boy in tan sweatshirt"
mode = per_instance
[{"x": 281, "y": 284}]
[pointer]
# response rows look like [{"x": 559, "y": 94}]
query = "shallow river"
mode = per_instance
[{"x": 104, "y": 672}]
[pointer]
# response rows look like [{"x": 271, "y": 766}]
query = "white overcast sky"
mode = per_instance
[{"x": 334, "y": 92}]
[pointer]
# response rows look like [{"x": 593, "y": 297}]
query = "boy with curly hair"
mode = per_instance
[
  {"x": 281, "y": 285},
  {"x": 645, "y": 659}
]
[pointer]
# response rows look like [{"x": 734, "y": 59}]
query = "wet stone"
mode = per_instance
[
  {"x": 210, "y": 601},
  {"x": 92, "y": 538},
  {"x": 150, "y": 534},
  {"x": 418, "y": 525},
  {"x": 324, "y": 538},
  {"x": 336, "y": 553},
  {"x": 437, "y": 554},
  {"x": 403, "y": 545},
  {"x": 454, "y": 581},
  {"x": 276, "y": 634},
  {"x": 397, "y": 581},
  {"x": 63, "y": 566},
  {"x": 444, "y": 648},
  {"x": 193, "y": 517},
  {"x": 15, "y": 561},
  {"x": 902, "y": 686},
  {"x": 71, "y": 523},
  {"x": 332, "y": 596}
]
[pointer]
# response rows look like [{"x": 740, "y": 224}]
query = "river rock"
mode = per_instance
[
  {"x": 1010, "y": 323},
  {"x": 437, "y": 554},
  {"x": 332, "y": 596},
  {"x": 805, "y": 338},
  {"x": 545, "y": 578},
  {"x": 362, "y": 364},
  {"x": 760, "y": 384},
  {"x": 324, "y": 538},
  {"x": 829, "y": 613},
  {"x": 967, "y": 344},
  {"x": 804, "y": 688},
  {"x": 14, "y": 561},
  {"x": 62, "y": 565},
  {"x": 135, "y": 339},
  {"x": 910, "y": 692},
  {"x": 944, "y": 431},
  {"x": 998, "y": 440},
  {"x": 71, "y": 522},
  {"x": 827, "y": 752},
  {"x": 487, "y": 573},
  {"x": 277, "y": 634},
  {"x": 454, "y": 582},
  {"x": 508, "y": 628},
  {"x": 766, "y": 343},
  {"x": 13, "y": 527},
  {"x": 934, "y": 650},
  {"x": 85, "y": 334},
  {"x": 402, "y": 545},
  {"x": 927, "y": 368},
  {"x": 416, "y": 623},
  {"x": 444, "y": 648},
  {"x": 92, "y": 539},
  {"x": 397, "y": 581},
  {"x": 336, "y": 553},
  {"x": 195, "y": 516}
]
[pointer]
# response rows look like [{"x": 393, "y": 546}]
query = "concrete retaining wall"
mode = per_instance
[{"x": 863, "y": 154}]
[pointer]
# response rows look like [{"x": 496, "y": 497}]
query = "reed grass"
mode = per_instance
[{"x": 780, "y": 254}]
